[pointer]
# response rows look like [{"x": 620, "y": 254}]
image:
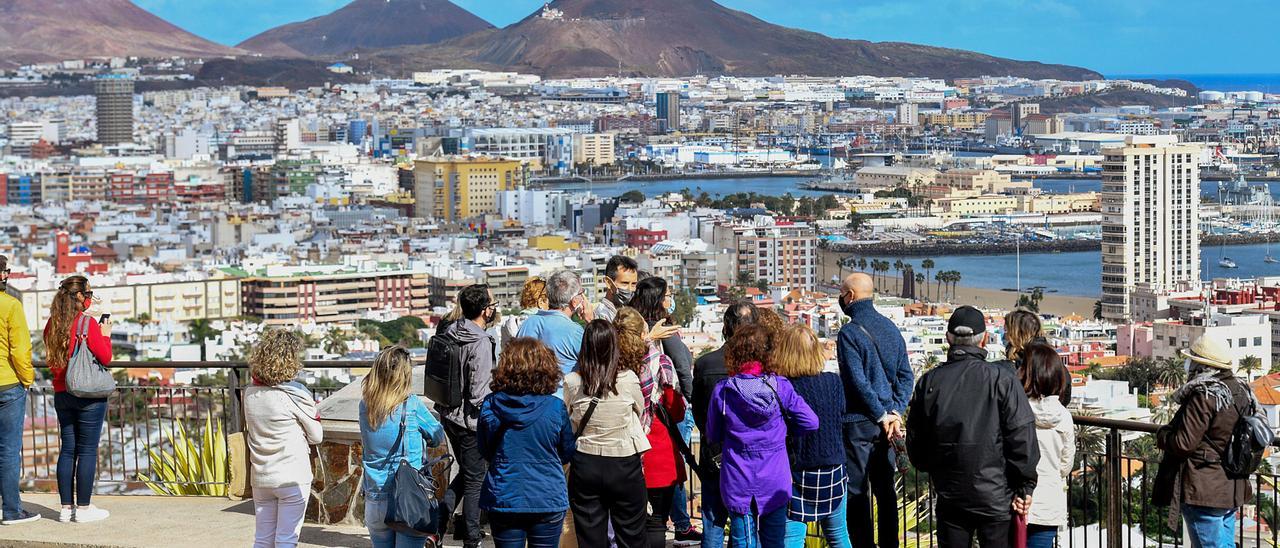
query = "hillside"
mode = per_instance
[
  {"x": 368, "y": 24},
  {"x": 685, "y": 37},
  {"x": 33, "y": 31}
]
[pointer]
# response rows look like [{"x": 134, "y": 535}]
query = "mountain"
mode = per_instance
[
  {"x": 52, "y": 30},
  {"x": 685, "y": 37},
  {"x": 368, "y": 24}
]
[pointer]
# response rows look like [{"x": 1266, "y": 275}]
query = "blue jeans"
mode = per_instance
[
  {"x": 13, "y": 408},
  {"x": 517, "y": 530},
  {"x": 750, "y": 531},
  {"x": 1210, "y": 527},
  {"x": 1041, "y": 536},
  {"x": 714, "y": 514},
  {"x": 375, "y": 512},
  {"x": 80, "y": 420},
  {"x": 680, "y": 502},
  {"x": 834, "y": 528}
]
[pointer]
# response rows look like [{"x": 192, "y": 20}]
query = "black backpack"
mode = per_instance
[
  {"x": 1249, "y": 439},
  {"x": 445, "y": 380}
]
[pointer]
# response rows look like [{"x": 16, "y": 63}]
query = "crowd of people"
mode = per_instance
[{"x": 574, "y": 425}]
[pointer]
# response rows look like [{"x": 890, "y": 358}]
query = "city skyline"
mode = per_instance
[{"x": 1120, "y": 35}]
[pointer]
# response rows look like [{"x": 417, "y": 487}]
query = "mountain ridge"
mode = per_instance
[{"x": 367, "y": 24}]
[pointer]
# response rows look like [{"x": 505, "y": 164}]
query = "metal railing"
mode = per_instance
[
  {"x": 1108, "y": 490},
  {"x": 144, "y": 428}
]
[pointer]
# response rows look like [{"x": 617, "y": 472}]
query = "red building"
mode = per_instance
[
  {"x": 78, "y": 259},
  {"x": 643, "y": 238},
  {"x": 148, "y": 187}
]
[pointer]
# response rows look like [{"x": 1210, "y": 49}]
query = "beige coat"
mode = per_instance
[
  {"x": 614, "y": 429},
  {"x": 1056, "y": 435}
]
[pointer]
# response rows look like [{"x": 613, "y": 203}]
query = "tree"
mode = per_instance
[
  {"x": 856, "y": 220},
  {"x": 940, "y": 277},
  {"x": 1250, "y": 364},
  {"x": 920, "y": 283},
  {"x": 686, "y": 304},
  {"x": 632, "y": 196},
  {"x": 862, "y": 264},
  {"x": 897, "y": 267},
  {"x": 1097, "y": 310},
  {"x": 335, "y": 342},
  {"x": 200, "y": 331},
  {"x": 927, "y": 265}
]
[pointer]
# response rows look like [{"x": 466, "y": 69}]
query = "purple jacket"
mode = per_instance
[{"x": 746, "y": 417}]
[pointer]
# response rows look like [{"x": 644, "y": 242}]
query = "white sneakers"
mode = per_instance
[{"x": 82, "y": 514}]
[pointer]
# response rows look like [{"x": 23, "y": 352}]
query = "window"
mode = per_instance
[
  {"x": 1244, "y": 342},
  {"x": 1257, "y": 341}
]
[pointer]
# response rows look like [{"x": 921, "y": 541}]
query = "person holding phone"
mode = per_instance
[{"x": 555, "y": 327}]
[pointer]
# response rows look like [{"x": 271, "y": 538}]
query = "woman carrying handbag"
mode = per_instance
[{"x": 395, "y": 429}]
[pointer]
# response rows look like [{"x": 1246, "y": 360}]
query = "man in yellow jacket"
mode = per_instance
[{"x": 16, "y": 376}]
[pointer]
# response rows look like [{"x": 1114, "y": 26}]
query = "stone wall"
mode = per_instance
[{"x": 336, "y": 497}]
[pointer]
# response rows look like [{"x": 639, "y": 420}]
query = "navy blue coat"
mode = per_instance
[
  {"x": 527, "y": 440},
  {"x": 876, "y": 372}
]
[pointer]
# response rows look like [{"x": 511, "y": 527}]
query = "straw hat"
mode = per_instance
[{"x": 1210, "y": 352}]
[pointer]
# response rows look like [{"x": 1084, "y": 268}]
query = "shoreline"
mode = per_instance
[{"x": 934, "y": 248}]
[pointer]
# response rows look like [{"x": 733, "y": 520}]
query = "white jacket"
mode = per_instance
[
  {"x": 1056, "y": 434},
  {"x": 280, "y": 424}
]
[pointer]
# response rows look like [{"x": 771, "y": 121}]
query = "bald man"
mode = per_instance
[{"x": 877, "y": 385}]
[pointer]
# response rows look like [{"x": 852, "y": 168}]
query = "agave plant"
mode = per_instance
[
  {"x": 910, "y": 512},
  {"x": 190, "y": 469}
]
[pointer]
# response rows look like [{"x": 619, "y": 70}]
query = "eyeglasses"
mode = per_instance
[{"x": 88, "y": 294}]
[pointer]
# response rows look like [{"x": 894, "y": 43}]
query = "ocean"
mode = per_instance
[{"x": 1264, "y": 82}]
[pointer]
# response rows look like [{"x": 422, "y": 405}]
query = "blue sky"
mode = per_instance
[{"x": 1111, "y": 36}]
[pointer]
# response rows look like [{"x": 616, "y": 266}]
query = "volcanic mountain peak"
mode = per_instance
[
  {"x": 53, "y": 30},
  {"x": 368, "y": 24}
]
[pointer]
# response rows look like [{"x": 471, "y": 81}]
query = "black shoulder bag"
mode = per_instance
[
  {"x": 412, "y": 507},
  {"x": 661, "y": 413},
  {"x": 586, "y": 418}
]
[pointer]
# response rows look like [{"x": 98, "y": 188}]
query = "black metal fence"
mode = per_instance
[{"x": 1109, "y": 489}]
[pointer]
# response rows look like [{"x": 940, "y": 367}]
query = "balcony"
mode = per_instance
[{"x": 1109, "y": 493}]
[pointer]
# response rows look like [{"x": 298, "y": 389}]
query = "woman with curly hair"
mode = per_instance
[
  {"x": 281, "y": 423},
  {"x": 79, "y": 419},
  {"x": 533, "y": 297},
  {"x": 525, "y": 436},
  {"x": 663, "y": 406},
  {"x": 395, "y": 425},
  {"x": 752, "y": 413}
]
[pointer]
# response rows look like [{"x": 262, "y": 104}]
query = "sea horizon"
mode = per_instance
[{"x": 1266, "y": 82}]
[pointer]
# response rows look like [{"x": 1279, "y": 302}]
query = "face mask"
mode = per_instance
[
  {"x": 623, "y": 296},
  {"x": 88, "y": 302}
]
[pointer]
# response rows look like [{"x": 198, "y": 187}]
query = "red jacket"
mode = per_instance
[
  {"x": 663, "y": 465},
  {"x": 98, "y": 344}
]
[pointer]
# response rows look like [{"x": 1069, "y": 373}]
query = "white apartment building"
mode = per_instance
[
  {"x": 595, "y": 149},
  {"x": 1245, "y": 334},
  {"x": 544, "y": 148},
  {"x": 1150, "y": 207}
]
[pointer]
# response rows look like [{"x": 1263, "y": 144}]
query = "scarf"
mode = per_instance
[
  {"x": 657, "y": 374},
  {"x": 1207, "y": 384}
]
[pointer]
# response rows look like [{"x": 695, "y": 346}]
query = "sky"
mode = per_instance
[{"x": 1110, "y": 36}]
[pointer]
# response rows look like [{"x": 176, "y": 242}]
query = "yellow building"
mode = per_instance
[
  {"x": 987, "y": 204},
  {"x": 982, "y": 180},
  {"x": 454, "y": 188},
  {"x": 594, "y": 148},
  {"x": 552, "y": 243},
  {"x": 955, "y": 120},
  {"x": 1060, "y": 203}
]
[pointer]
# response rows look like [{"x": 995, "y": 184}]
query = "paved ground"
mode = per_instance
[{"x": 144, "y": 521}]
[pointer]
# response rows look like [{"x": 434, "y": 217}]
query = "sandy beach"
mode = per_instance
[{"x": 1053, "y": 303}]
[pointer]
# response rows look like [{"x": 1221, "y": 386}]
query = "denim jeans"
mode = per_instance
[
  {"x": 518, "y": 530},
  {"x": 375, "y": 511},
  {"x": 1041, "y": 536},
  {"x": 80, "y": 420},
  {"x": 1210, "y": 527},
  {"x": 714, "y": 514},
  {"x": 765, "y": 531},
  {"x": 680, "y": 503},
  {"x": 834, "y": 529},
  {"x": 13, "y": 409}
]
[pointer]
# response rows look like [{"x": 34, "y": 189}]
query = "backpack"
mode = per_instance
[
  {"x": 86, "y": 377},
  {"x": 444, "y": 381},
  {"x": 1249, "y": 439}
]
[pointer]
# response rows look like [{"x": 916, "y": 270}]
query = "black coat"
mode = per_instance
[
  {"x": 971, "y": 428},
  {"x": 708, "y": 371}
]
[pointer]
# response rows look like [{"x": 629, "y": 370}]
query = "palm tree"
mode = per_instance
[
  {"x": 955, "y": 280},
  {"x": 1249, "y": 364},
  {"x": 335, "y": 342},
  {"x": 200, "y": 331},
  {"x": 930, "y": 361},
  {"x": 862, "y": 264},
  {"x": 939, "y": 277},
  {"x": 927, "y": 265},
  {"x": 920, "y": 282},
  {"x": 897, "y": 267},
  {"x": 1170, "y": 373},
  {"x": 1097, "y": 310}
]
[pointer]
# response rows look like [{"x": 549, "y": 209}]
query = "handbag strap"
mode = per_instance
[
  {"x": 586, "y": 418},
  {"x": 661, "y": 413},
  {"x": 786, "y": 414},
  {"x": 81, "y": 334},
  {"x": 404, "y": 415}
]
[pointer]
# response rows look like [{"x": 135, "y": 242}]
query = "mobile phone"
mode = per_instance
[{"x": 103, "y": 318}]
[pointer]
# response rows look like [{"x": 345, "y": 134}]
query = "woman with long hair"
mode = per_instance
[
  {"x": 281, "y": 423},
  {"x": 606, "y": 479},
  {"x": 387, "y": 405},
  {"x": 752, "y": 414},
  {"x": 817, "y": 460},
  {"x": 1045, "y": 380},
  {"x": 525, "y": 435},
  {"x": 79, "y": 419},
  {"x": 663, "y": 464},
  {"x": 1022, "y": 328}
]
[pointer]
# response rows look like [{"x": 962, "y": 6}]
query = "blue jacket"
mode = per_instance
[
  {"x": 421, "y": 429},
  {"x": 873, "y": 388},
  {"x": 527, "y": 440}
]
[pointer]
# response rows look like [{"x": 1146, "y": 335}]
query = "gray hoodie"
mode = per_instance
[{"x": 478, "y": 362}]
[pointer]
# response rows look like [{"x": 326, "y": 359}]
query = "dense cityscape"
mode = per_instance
[{"x": 356, "y": 204}]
